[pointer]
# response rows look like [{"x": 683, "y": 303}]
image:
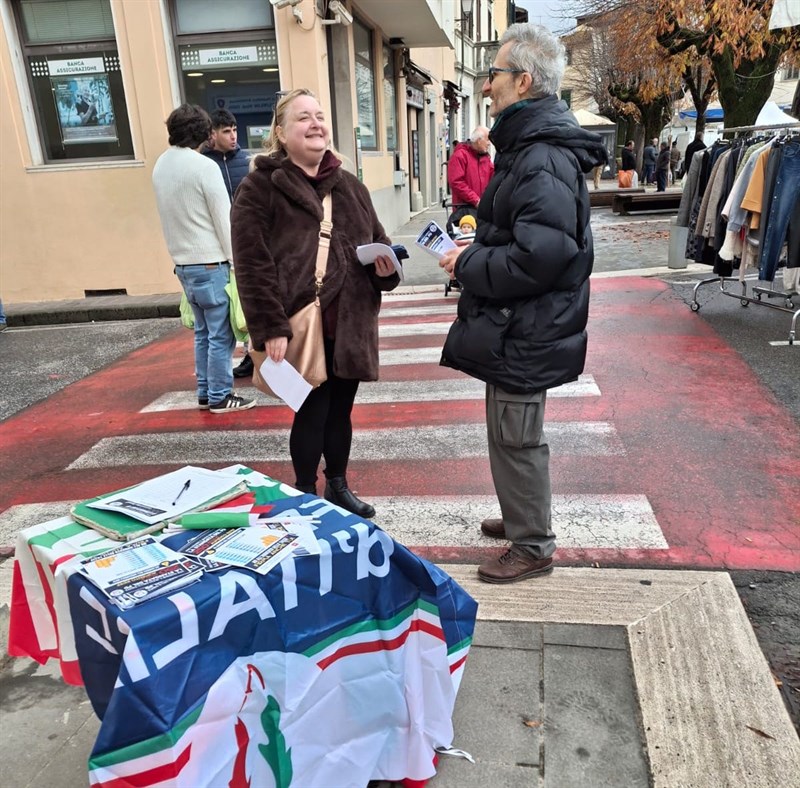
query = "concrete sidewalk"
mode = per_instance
[{"x": 587, "y": 678}]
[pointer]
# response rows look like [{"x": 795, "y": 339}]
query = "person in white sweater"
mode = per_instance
[{"x": 194, "y": 207}]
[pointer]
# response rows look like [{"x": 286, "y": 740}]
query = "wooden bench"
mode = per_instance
[
  {"x": 651, "y": 202},
  {"x": 604, "y": 198}
]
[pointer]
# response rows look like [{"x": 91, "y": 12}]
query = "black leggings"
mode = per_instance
[{"x": 323, "y": 427}]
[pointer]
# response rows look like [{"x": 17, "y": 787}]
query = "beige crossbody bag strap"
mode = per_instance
[{"x": 325, "y": 231}]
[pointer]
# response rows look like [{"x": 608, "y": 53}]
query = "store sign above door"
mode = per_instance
[
  {"x": 414, "y": 97},
  {"x": 76, "y": 65},
  {"x": 229, "y": 56}
]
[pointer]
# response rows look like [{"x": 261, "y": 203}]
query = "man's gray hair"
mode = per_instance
[
  {"x": 480, "y": 133},
  {"x": 536, "y": 51}
]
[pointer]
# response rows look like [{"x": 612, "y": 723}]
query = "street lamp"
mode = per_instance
[{"x": 466, "y": 13}]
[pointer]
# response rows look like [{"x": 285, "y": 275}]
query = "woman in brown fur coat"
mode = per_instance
[{"x": 275, "y": 225}]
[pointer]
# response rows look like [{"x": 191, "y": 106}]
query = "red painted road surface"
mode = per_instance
[{"x": 716, "y": 455}]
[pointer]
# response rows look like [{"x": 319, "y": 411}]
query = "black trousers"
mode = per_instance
[{"x": 323, "y": 427}]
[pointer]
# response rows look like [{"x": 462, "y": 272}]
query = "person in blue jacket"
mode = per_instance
[{"x": 234, "y": 163}]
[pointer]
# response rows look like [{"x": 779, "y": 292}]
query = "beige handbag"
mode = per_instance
[{"x": 306, "y": 349}]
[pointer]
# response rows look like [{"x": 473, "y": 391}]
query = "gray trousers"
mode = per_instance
[{"x": 520, "y": 465}]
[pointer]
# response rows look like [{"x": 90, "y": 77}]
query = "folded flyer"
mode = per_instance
[
  {"x": 257, "y": 548},
  {"x": 140, "y": 570},
  {"x": 435, "y": 241}
]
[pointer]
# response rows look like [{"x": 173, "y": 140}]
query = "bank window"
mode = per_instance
[
  {"x": 389, "y": 99},
  {"x": 71, "y": 59},
  {"x": 365, "y": 86},
  {"x": 228, "y": 59}
]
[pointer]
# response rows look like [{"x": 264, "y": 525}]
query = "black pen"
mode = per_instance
[{"x": 183, "y": 490}]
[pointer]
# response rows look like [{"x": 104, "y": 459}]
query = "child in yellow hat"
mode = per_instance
[{"x": 467, "y": 225}]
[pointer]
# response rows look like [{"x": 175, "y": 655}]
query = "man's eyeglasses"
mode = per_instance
[{"x": 494, "y": 71}]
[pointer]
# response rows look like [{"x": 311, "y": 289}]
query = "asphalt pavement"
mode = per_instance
[{"x": 589, "y": 677}]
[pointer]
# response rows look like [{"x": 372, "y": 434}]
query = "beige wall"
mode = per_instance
[
  {"x": 74, "y": 227},
  {"x": 71, "y": 227}
]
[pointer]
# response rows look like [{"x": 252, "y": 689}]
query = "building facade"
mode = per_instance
[{"x": 88, "y": 84}]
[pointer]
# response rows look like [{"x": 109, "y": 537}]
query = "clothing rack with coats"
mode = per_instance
[{"x": 741, "y": 207}]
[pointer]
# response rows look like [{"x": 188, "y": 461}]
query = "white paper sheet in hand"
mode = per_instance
[
  {"x": 434, "y": 240},
  {"x": 368, "y": 252},
  {"x": 286, "y": 382}
]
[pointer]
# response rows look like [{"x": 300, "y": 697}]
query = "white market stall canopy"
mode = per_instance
[{"x": 586, "y": 118}]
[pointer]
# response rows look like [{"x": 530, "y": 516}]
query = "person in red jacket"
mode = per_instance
[{"x": 468, "y": 172}]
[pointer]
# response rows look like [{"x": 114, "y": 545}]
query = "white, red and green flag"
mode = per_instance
[{"x": 330, "y": 670}]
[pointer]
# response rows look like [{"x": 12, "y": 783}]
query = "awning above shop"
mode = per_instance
[
  {"x": 420, "y": 23},
  {"x": 586, "y": 118},
  {"x": 416, "y": 74}
]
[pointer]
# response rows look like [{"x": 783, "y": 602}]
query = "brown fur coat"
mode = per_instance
[{"x": 275, "y": 229}]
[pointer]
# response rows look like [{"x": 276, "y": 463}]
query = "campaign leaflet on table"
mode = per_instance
[
  {"x": 139, "y": 570},
  {"x": 256, "y": 548}
]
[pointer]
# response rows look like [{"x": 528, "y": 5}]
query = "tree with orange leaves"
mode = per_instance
[{"x": 734, "y": 35}]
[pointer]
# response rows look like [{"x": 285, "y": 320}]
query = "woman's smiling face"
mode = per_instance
[{"x": 304, "y": 134}]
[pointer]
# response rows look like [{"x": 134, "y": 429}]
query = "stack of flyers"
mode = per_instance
[
  {"x": 140, "y": 570},
  {"x": 258, "y": 548}
]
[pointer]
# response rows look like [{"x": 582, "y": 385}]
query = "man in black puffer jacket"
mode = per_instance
[{"x": 524, "y": 305}]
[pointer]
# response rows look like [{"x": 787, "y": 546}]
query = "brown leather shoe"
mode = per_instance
[
  {"x": 493, "y": 526},
  {"x": 513, "y": 565}
]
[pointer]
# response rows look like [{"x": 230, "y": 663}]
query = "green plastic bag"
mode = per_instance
[
  {"x": 187, "y": 316},
  {"x": 238, "y": 323}
]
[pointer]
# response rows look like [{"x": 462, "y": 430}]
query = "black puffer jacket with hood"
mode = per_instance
[{"x": 524, "y": 303}]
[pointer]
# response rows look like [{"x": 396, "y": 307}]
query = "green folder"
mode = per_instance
[{"x": 116, "y": 525}]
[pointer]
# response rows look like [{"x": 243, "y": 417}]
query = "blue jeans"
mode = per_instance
[
  {"x": 784, "y": 196},
  {"x": 2, "y": 313},
  {"x": 649, "y": 173},
  {"x": 214, "y": 342}
]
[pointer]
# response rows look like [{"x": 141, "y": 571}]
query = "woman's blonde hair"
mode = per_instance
[{"x": 271, "y": 144}]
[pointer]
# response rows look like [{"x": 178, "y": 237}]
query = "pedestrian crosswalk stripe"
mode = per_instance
[
  {"x": 584, "y": 521},
  {"x": 588, "y": 438},
  {"x": 413, "y": 329},
  {"x": 387, "y": 391},
  {"x": 416, "y": 355},
  {"x": 419, "y": 311},
  {"x": 579, "y": 521}
]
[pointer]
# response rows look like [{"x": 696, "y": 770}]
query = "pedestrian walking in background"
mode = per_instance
[
  {"x": 524, "y": 305},
  {"x": 662, "y": 167},
  {"x": 692, "y": 148},
  {"x": 627, "y": 177},
  {"x": 649, "y": 156},
  {"x": 3, "y": 323},
  {"x": 223, "y": 148},
  {"x": 276, "y": 231},
  {"x": 674, "y": 162},
  {"x": 194, "y": 208},
  {"x": 468, "y": 172}
]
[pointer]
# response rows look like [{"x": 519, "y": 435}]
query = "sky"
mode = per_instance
[{"x": 547, "y": 13}]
